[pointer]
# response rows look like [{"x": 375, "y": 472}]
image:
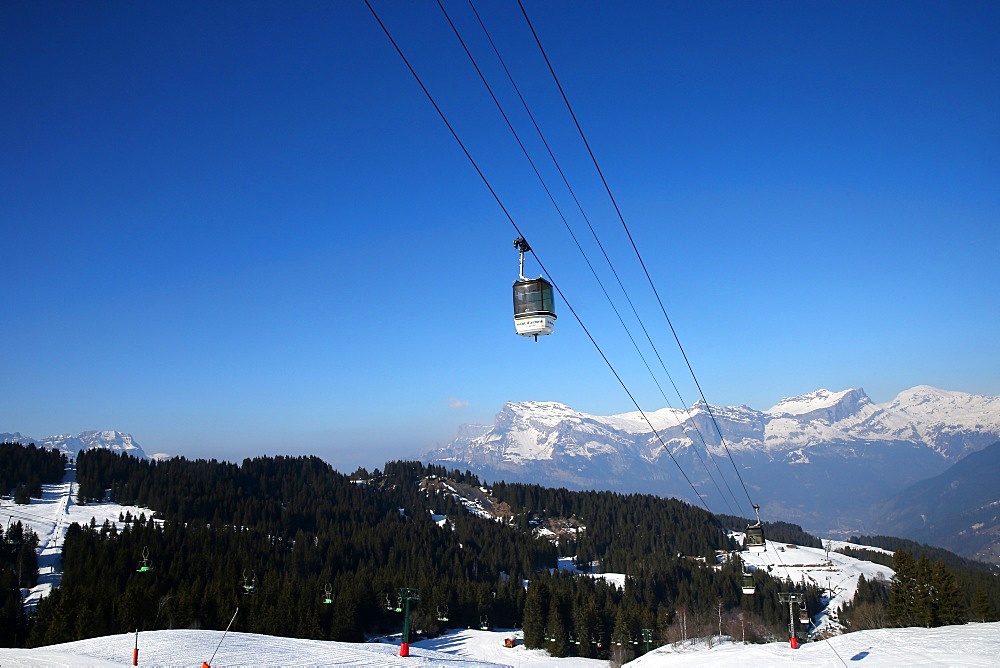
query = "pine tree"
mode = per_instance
[
  {"x": 534, "y": 615},
  {"x": 981, "y": 608},
  {"x": 557, "y": 643},
  {"x": 903, "y": 592},
  {"x": 950, "y": 608}
]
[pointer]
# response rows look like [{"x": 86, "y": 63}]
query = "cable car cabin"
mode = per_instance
[
  {"x": 534, "y": 307},
  {"x": 748, "y": 587},
  {"x": 755, "y": 538}
]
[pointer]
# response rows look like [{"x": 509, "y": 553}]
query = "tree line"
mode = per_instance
[
  {"x": 931, "y": 587},
  {"x": 273, "y": 535},
  {"x": 25, "y": 468}
]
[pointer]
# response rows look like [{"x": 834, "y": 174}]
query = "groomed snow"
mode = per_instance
[{"x": 968, "y": 645}]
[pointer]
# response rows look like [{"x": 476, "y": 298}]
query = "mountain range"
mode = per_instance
[
  {"x": 68, "y": 444},
  {"x": 826, "y": 460}
]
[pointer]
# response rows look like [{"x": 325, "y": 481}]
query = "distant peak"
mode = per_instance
[{"x": 819, "y": 400}]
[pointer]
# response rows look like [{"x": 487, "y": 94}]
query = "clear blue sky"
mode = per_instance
[{"x": 239, "y": 228}]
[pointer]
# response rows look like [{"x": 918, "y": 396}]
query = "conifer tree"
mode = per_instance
[
  {"x": 981, "y": 608},
  {"x": 950, "y": 608},
  {"x": 557, "y": 642},
  {"x": 904, "y": 589},
  {"x": 534, "y": 615}
]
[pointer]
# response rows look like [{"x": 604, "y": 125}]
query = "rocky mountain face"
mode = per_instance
[
  {"x": 824, "y": 459},
  {"x": 70, "y": 445}
]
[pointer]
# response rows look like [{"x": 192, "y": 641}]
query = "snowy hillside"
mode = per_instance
[
  {"x": 70, "y": 445},
  {"x": 836, "y": 574},
  {"x": 968, "y": 645}
]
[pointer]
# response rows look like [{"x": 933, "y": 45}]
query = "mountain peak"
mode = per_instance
[
  {"x": 821, "y": 404},
  {"x": 107, "y": 439}
]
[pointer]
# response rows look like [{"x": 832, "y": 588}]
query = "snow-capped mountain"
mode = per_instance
[
  {"x": 789, "y": 456},
  {"x": 70, "y": 445}
]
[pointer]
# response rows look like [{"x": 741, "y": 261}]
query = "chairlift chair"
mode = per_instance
[
  {"x": 755, "y": 534},
  {"x": 145, "y": 566},
  {"x": 249, "y": 584}
]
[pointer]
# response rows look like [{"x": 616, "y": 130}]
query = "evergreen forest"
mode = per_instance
[
  {"x": 279, "y": 536},
  {"x": 302, "y": 550}
]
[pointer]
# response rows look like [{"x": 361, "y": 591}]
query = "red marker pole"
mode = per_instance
[{"x": 135, "y": 652}]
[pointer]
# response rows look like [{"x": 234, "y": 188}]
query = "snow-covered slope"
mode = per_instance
[
  {"x": 70, "y": 445},
  {"x": 969, "y": 645},
  {"x": 791, "y": 455},
  {"x": 836, "y": 574}
]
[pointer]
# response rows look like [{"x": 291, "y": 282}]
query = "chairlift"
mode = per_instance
[
  {"x": 249, "y": 584},
  {"x": 748, "y": 586},
  {"x": 328, "y": 594},
  {"x": 442, "y": 615},
  {"x": 755, "y": 534},
  {"x": 145, "y": 566},
  {"x": 484, "y": 623},
  {"x": 534, "y": 303}
]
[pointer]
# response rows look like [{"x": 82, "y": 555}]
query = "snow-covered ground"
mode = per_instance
[
  {"x": 837, "y": 576},
  {"x": 968, "y": 645}
]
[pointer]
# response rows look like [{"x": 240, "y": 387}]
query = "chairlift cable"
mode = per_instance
[
  {"x": 593, "y": 232},
  {"x": 496, "y": 197},
  {"x": 621, "y": 217},
  {"x": 572, "y": 234}
]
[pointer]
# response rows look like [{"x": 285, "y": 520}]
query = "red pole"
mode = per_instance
[
  {"x": 135, "y": 652},
  {"x": 794, "y": 642},
  {"x": 404, "y": 649}
]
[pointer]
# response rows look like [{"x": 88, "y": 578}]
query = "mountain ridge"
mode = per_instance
[
  {"x": 790, "y": 454},
  {"x": 108, "y": 439}
]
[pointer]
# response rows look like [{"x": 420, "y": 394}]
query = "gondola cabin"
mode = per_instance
[
  {"x": 534, "y": 304},
  {"x": 748, "y": 587},
  {"x": 755, "y": 538},
  {"x": 534, "y": 307}
]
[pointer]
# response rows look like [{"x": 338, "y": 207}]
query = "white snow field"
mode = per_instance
[
  {"x": 969, "y": 645},
  {"x": 838, "y": 575}
]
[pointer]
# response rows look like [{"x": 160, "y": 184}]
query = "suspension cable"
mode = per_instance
[
  {"x": 621, "y": 217},
  {"x": 510, "y": 218}
]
